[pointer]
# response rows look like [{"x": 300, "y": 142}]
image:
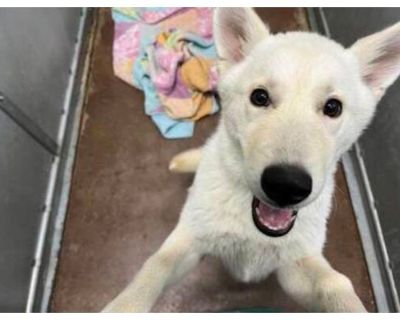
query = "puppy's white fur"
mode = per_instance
[{"x": 301, "y": 71}]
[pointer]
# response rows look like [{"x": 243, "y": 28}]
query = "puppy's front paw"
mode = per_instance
[{"x": 337, "y": 295}]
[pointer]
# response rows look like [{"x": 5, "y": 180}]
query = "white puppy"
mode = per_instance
[{"x": 292, "y": 103}]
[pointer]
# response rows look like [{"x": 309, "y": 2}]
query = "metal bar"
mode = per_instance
[
  {"x": 68, "y": 153},
  {"x": 372, "y": 240},
  {"x": 390, "y": 285},
  {"x": 40, "y": 245},
  {"x": 27, "y": 124},
  {"x": 368, "y": 233}
]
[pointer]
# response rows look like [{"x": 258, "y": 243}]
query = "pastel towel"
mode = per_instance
[{"x": 170, "y": 55}]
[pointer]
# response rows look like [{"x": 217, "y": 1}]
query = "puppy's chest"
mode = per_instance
[
  {"x": 227, "y": 231},
  {"x": 247, "y": 260}
]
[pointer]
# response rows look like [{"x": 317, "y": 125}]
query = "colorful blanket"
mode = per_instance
[{"x": 170, "y": 55}]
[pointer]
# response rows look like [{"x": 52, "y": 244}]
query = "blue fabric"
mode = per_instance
[{"x": 172, "y": 129}]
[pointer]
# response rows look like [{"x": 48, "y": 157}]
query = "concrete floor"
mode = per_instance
[{"x": 124, "y": 202}]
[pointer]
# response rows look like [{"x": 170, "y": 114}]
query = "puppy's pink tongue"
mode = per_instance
[{"x": 273, "y": 217}]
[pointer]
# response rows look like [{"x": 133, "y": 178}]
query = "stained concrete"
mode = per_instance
[{"x": 124, "y": 202}]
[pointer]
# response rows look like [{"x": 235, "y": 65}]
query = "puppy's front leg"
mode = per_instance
[
  {"x": 313, "y": 283},
  {"x": 175, "y": 257}
]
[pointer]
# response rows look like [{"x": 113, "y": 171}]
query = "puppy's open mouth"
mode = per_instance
[{"x": 273, "y": 222}]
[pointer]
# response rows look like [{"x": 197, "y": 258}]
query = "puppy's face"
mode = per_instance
[{"x": 295, "y": 102}]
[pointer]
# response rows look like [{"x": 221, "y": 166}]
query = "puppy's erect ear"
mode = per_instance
[
  {"x": 236, "y": 32},
  {"x": 379, "y": 58}
]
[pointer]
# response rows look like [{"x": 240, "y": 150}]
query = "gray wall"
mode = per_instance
[
  {"x": 380, "y": 144},
  {"x": 36, "y": 47}
]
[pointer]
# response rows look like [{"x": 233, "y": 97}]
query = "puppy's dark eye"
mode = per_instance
[
  {"x": 260, "y": 98},
  {"x": 333, "y": 108}
]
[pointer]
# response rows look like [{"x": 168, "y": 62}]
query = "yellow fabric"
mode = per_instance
[{"x": 195, "y": 74}]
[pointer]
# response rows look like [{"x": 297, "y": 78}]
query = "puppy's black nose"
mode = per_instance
[{"x": 286, "y": 184}]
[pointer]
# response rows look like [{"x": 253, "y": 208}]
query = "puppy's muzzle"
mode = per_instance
[{"x": 286, "y": 185}]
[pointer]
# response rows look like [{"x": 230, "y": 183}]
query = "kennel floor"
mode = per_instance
[{"x": 124, "y": 202}]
